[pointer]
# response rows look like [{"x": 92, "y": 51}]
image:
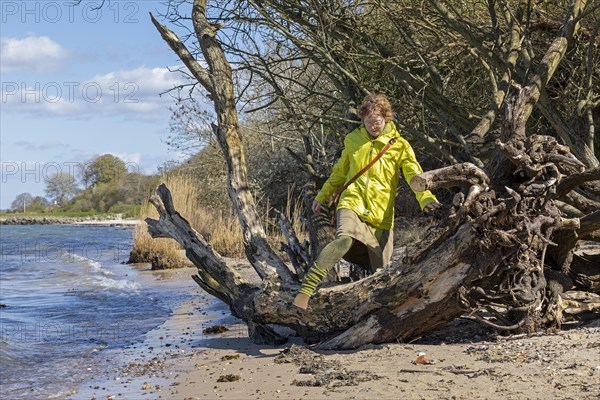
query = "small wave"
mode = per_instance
[
  {"x": 95, "y": 266},
  {"x": 106, "y": 283}
]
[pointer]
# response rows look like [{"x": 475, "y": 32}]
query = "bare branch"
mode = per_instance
[
  {"x": 184, "y": 54},
  {"x": 459, "y": 175},
  {"x": 574, "y": 180}
]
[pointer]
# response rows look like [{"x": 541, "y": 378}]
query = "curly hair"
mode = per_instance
[{"x": 376, "y": 103}]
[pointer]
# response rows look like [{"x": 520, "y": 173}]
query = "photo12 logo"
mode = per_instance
[
  {"x": 69, "y": 11},
  {"x": 49, "y": 252},
  {"x": 70, "y": 92},
  {"x": 47, "y": 172},
  {"x": 44, "y": 332}
]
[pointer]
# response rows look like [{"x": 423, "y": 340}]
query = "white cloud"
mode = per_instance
[
  {"x": 133, "y": 158},
  {"x": 125, "y": 93},
  {"x": 35, "y": 146},
  {"x": 32, "y": 54},
  {"x": 133, "y": 161}
]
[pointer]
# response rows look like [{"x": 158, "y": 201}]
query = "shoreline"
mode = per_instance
[
  {"x": 110, "y": 221},
  {"x": 465, "y": 360}
]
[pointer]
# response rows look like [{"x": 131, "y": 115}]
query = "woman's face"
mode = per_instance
[{"x": 374, "y": 124}]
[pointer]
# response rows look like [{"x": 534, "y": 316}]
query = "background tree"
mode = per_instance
[
  {"x": 190, "y": 127},
  {"x": 61, "y": 187},
  {"x": 124, "y": 194},
  {"x": 191, "y": 133},
  {"x": 442, "y": 63},
  {"x": 104, "y": 169},
  {"x": 22, "y": 202},
  {"x": 39, "y": 204}
]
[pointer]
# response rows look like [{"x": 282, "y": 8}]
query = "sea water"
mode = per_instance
[{"x": 69, "y": 304}]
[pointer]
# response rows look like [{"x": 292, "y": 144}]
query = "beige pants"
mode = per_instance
[{"x": 372, "y": 248}]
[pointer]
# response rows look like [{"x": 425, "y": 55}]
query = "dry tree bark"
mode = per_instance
[{"x": 489, "y": 256}]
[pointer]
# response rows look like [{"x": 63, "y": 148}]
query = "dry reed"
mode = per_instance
[{"x": 221, "y": 229}]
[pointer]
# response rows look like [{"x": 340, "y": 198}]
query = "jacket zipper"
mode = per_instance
[{"x": 369, "y": 171}]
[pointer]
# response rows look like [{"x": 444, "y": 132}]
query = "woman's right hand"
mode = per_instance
[{"x": 316, "y": 207}]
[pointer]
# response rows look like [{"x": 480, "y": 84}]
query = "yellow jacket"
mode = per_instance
[{"x": 373, "y": 194}]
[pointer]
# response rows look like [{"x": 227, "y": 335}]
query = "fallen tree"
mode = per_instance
[{"x": 503, "y": 253}]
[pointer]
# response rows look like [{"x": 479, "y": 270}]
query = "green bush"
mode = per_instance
[
  {"x": 120, "y": 208},
  {"x": 133, "y": 212}
]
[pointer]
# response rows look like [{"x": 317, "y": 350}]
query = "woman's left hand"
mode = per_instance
[{"x": 432, "y": 207}]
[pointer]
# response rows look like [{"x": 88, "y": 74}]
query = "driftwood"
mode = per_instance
[{"x": 505, "y": 252}]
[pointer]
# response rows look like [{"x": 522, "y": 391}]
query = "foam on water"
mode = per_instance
[
  {"x": 105, "y": 283},
  {"x": 93, "y": 265}
]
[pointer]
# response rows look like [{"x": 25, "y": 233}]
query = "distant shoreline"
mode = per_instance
[{"x": 111, "y": 221}]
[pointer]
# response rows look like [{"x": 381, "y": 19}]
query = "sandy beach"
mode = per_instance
[
  {"x": 111, "y": 222},
  {"x": 464, "y": 360}
]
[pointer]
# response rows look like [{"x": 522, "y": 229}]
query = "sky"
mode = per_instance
[{"x": 77, "y": 83}]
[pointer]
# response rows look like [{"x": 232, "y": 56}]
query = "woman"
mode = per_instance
[{"x": 365, "y": 212}]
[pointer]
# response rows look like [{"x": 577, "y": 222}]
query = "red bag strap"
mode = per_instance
[{"x": 338, "y": 192}]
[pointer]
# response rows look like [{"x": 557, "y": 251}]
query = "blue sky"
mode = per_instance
[{"x": 78, "y": 83}]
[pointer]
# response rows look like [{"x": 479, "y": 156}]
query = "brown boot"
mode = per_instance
[{"x": 301, "y": 301}]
